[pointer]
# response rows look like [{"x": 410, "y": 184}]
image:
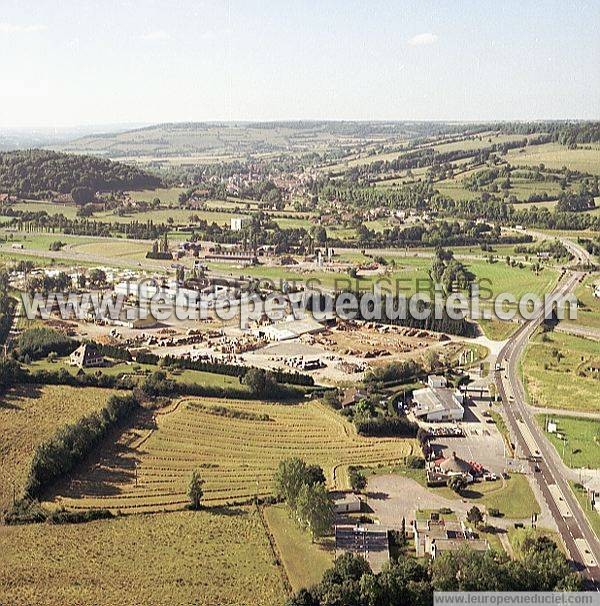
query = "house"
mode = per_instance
[
  {"x": 86, "y": 356},
  {"x": 348, "y": 503},
  {"x": 367, "y": 540},
  {"x": 237, "y": 223},
  {"x": 592, "y": 487},
  {"x": 455, "y": 466},
  {"x": 434, "y": 537},
  {"x": 436, "y": 402},
  {"x": 352, "y": 396}
]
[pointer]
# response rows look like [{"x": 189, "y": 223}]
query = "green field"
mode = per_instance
[
  {"x": 304, "y": 561},
  {"x": 203, "y": 558},
  {"x": 588, "y": 311},
  {"x": 31, "y": 414},
  {"x": 557, "y": 372},
  {"x": 497, "y": 330},
  {"x": 518, "y": 536},
  {"x": 554, "y": 155},
  {"x": 579, "y": 444},
  {"x": 593, "y": 515},
  {"x": 513, "y": 497},
  {"x": 237, "y": 457}
]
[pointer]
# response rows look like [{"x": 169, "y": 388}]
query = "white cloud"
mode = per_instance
[
  {"x": 423, "y": 39},
  {"x": 11, "y": 28},
  {"x": 157, "y": 35}
]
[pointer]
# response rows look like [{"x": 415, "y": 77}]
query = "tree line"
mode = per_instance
[{"x": 406, "y": 581}]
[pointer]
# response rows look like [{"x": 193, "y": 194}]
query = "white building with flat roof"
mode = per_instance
[{"x": 436, "y": 402}]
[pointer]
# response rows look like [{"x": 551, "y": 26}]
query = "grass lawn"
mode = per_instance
[
  {"x": 593, "y": 515},
  {"x": 304, "y": 561},
  {"x": 582, "y": 447},
  {"x": 31, "y": 414},
  {"x": 556, "y": 369},
  {"x": 513, "y": 497},
  {"x": 142, "y": 370},
  {"x": 497, "y": 330},
  {"x": 518, "y": 536},
  {"x": 203, "y": 558}
]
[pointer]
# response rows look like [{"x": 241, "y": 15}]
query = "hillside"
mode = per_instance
[
  {"x": 225, "y": 139},
  {"x": 36, "y": 172}
]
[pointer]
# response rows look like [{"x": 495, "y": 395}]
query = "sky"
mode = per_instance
[{"x": 89, "y": 62}]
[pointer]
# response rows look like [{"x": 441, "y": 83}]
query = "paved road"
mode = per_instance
[{"x": 579, "y": 538}]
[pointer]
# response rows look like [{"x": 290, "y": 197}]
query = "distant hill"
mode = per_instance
[
  {"x": 226, "y": 139},
  {"x": 38, "y": 172}
]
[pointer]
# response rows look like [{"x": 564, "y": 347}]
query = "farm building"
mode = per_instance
[
  {"x": 134, "y": 319},
  {"x": 86, "y": 356},
  {"x": 436, "y": 402},
  {"x": 352, "y": 396},
  {"x": 289, "y": 329},
  {"x": 347, "y": 503},
  {"x": 434, "y": 537}
]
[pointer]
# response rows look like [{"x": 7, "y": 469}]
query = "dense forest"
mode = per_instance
[
  {"x": 38, "y": 172},
  {"x": 565, "y": 133}
]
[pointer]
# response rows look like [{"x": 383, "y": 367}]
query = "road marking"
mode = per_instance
[
  {"x": 586, "y": 553},
  {"x": 560, "y": 501}
]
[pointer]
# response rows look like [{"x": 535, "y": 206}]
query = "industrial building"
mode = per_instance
[
  {"x": 436, "y": 402},
  {"x": 289, "y": 329}
]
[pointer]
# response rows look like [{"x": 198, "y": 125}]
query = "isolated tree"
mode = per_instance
[
  {"x": 457, "y": 483},
  {"x": 195, "y": 491},
  {"x": 475, "y": 516},
  {"x": 357, "y": 478}
]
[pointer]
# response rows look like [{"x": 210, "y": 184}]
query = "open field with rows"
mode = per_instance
[
  {"x": 28, "y": 416},
  {"x": 557, "y": 375},
  {"x": 187, "y": 558},
  {"x": 237, "y": 457}
]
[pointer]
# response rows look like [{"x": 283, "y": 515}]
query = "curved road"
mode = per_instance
[{"x": 573, "y": 525}]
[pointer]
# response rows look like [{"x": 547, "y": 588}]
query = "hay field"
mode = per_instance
[
  {"x": 28, "y": 416},
  {"x": 557, "y": 372},
  {"x": 554, "y": 155},
  {"x": 236, "y": 457},
  {"x": 186, "y": 558}
]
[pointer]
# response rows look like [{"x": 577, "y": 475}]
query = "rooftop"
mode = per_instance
[{"x": 435, "y": 399}]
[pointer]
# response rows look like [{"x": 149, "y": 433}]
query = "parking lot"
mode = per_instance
[{"x": 481, "y": 442}]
